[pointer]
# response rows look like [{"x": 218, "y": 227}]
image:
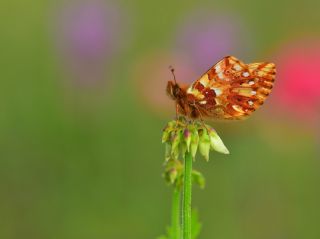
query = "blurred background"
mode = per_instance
[{"x": 83, "y": 104}]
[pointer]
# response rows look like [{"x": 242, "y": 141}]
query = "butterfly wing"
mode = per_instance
[{"x": 232, "y": 89}]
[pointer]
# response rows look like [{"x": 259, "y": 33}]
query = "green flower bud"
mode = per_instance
[
  {"x": 181, "y": 136},
  {"x": 183, "y": 148},
  {"x": 173, "y": 172},
  {"x": 176, "y": 139},
  {"x": 165, "y": 136},
  {"x": 194, "y": 142},
  {"x": 204, "y": 144},
  {"x": 173, "y": 175},
  {"x": 168, "y": 152},
  {"x": 187, "y": 138},
  {"x": 216, "y": 142}
]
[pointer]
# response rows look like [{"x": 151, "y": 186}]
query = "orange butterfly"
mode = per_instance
[{"x": 230, "y": 89}]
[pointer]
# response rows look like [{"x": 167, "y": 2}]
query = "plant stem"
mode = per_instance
[
  {"x": 175, "y": 217},
  {"x": 187, "y": 187}
]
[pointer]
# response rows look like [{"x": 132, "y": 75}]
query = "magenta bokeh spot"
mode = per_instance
[{"x": 297, "y": 88}]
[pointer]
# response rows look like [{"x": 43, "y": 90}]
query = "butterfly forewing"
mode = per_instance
[{"x": 232, "y": 89}]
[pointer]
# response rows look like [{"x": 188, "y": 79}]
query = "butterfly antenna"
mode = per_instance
[{"x": 172, "y": 71}]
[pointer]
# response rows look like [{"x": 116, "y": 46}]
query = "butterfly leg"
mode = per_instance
[
  {"x": 201, "y": 117},
  {"x": 176, "y": 111},
  {"x": 177, "y": 114}
]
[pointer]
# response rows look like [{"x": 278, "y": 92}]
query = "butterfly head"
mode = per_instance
[{"x": 174, "y": 90}]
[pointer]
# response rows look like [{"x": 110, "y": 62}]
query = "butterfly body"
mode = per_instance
[{"x": 230, "y": 89}]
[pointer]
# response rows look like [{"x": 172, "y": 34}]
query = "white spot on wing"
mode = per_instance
[
  {"x": 217, "y": 91},
  {"x": 203, "y": 102},
  {"x": 250, "y": 102},
  {"x": 261, "y": 73},
  {"x": 189, "y": 90},
  {"x": 237, "y": 67},
  {"x": 204, "y": 80},
  {"x": 253, "y": 92},
  {"x": 251, "y": 82},
  {"x": 245, "y": 74},
  {"x": 220, "y": 75},
  {"x": 238, "y": 108},
  {"x": 217, "y": 68}
]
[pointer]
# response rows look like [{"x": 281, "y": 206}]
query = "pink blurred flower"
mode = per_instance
[
  {"x": 297, "y": 89},
  {"x": 87, "y": 34},
  {"x": 200, "y": 41}
]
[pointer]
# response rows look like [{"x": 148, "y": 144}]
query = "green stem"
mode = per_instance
[
  {"x": 175, "y": 217},
  {"x": 187, "y": 187}
]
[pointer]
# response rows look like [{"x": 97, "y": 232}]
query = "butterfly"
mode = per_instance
[{"x": 230, "y": 89}]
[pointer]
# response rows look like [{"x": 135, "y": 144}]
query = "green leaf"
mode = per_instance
[
  {"x": 198, "y": 178},
  {"x": 169, "y": 234}
]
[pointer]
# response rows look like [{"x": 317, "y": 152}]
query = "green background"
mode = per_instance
[{"x": 79, "y": 162}]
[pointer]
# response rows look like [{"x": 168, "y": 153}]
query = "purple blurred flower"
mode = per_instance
[
  {"x": 87, "y": 33},
  {"x": 200, "y": 41},
  {"x": 206, "y": 37}
]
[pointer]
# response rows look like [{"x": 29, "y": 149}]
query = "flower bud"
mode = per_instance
[
  {"x": 216, "y": 142},
  {"x": 194, "y": 142},
  {"x": 187, "y": 138},
  {"x": 173, "y": 171},
  {"x": 176, "y": 139},
  {"x": 182, "y": 136},
  {"x": 168, "y": 152},
  {"x": 204, "y": 144}
]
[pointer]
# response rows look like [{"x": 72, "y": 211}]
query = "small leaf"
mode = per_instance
[{"x": 198, "y": 178}]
